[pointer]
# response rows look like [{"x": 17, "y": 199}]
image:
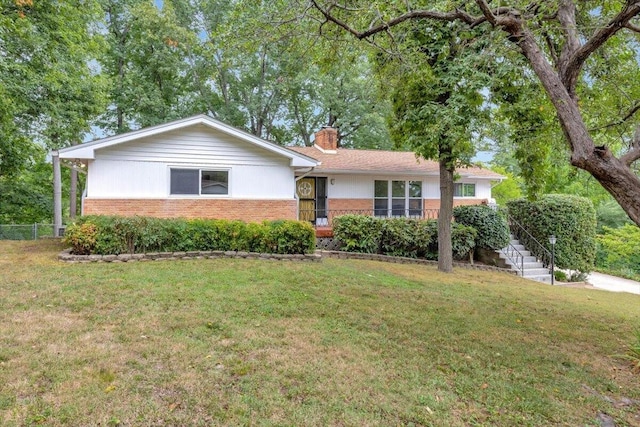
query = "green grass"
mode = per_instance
[{"x": 337, "y": 343}]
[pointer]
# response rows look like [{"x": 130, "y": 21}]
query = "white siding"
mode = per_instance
[
  {"x": 361, "y": 186},
  {"x": 140, "y": 169},
  {"x": 108, "y": 178},
  {"x": 483, "y": 189},
  {"x": 196, "y": 144},
  {"x": 129, "y": 179}
]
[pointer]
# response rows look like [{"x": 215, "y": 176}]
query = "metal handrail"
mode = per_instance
[
  {"x": 530, "y": 242},
  {"x": 518, "y": 260}
]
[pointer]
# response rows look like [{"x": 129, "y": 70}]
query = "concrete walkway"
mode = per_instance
[{"x": 612, "y": 283}]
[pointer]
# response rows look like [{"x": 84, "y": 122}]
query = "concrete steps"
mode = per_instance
[{"x": 519, "y": 258}]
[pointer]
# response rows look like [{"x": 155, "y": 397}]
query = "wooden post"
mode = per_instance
[{"x": 57, "y": 194}]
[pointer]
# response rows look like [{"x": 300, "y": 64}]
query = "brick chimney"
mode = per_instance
[{"x": 327, "y": 139}]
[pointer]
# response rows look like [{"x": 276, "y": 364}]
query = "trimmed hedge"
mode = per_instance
[
  {"x": 107, "y": 235},
  {"x": 405, "y": 237},
  {"x": 492, "y": 228},
  {"x": 619, "y": 250},
  {"x": 572, "y": 219}
]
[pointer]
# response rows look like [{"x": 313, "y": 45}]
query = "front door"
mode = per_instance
[{"x": 306, "y": 190}]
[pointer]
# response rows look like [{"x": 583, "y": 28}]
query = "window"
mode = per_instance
[
  {"x": 199, "y": 181},
  {"x": 464, "y": 190},
  {"x": 397, "y": 198}
]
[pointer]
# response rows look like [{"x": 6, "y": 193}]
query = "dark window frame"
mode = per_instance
[
  {"x": 196, "y": 175},
  {"x": 410, "y": 204}
]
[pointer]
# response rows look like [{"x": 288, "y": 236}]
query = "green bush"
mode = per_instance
[
  {"x": 81, "y": 238},
  {"x": 463, "y": 240},
  {"x": 358, "y": 233},
  {"x": 405, "y": 237},
  {"x": 571, "y": 219},
  {"x": 116, "y": 235},
  {"x": 492, "y": 228},
  {"x": 619, "y": 250},
  {"x": 399, "y": 236}
]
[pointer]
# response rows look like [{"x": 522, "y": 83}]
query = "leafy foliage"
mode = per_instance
[
  {"x": 115, "y": 235},
  {"x": 610, "y": 214},
  {"x": 463, "y": 239},
  {"x": 493, "y": 231},
  {"x": 619, "y": 250},
  {"x": 404, "y": 237},
  {"x": 358, "y": 233},
  {"x": 571, "y": 219}
]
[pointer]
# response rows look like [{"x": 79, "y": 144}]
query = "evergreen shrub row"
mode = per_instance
[
  {"x": 572, "y": 219},
  {"x": 106, "y": 235},
  {"x": 404, "y": 237}
]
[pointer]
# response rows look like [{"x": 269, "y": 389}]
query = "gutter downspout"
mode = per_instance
[{"x": 295, "y": 190}]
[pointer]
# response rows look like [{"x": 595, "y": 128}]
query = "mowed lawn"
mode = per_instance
[{"x": 274, "y": 343}]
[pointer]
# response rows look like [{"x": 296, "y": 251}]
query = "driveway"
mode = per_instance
[{"x": 612, "y": 283}]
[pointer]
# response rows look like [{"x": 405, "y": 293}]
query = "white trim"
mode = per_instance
[{"x": 87, "y": 150}]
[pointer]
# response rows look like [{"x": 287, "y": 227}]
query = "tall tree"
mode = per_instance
[
  {"x": 50, "y": 89},
  {"x": 436, "y": 81},
  {"x": 145, "y": 62},
  {"x": 559, "y": 41}
]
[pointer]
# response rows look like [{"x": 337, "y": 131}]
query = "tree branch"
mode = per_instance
[
  {"x": 632, "y": 111},
  {"x": 633, "y": 27},
  {"x": 457, "y": 15},
  {"x": 486, "y": 11},
  {"x": 634, "y": 152},
  {"x": 570, "y": 72}
]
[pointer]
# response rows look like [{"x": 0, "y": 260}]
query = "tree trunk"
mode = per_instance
[{"x": 445, "y": 250}]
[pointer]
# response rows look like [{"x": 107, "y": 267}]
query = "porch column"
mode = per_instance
[{"x": 57, "y": 194}]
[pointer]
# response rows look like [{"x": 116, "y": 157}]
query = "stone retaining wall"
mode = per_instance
[
  {"x": 168, "y": 256},
  {"x": 403, "y": 260}
]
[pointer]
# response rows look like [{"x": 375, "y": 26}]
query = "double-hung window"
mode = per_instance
[
  {"x": 464, "y": 190},
  {"x": 397, "y": 198},
  {"x": 199, "y": 182}
]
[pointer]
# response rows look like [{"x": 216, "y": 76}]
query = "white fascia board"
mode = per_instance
[
  {"x": 485, "y": 178},
  {"x": 87, "y": 150},
  {"x": 373, "y": 172}
]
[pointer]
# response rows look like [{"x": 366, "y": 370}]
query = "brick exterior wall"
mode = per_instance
[{"x": 245, "y": 210}]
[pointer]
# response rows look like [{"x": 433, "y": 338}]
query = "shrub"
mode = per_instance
[
  {"x": 358, "y": 233},
  {"x": 116, "y": 235},
  {"x": 81, "y": 238},
  {"x": 619, "y": 250},
  {"x": 492, "y": 228},
  {"x": 463, "y": 240},
  {"x": 405, "y": 237},
  {"x": 571, "y": 219},
  {"x": 400, "y": 236},
  {"x": 291, "y": 237}
]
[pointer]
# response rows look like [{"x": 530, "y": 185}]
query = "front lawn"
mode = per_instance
[{"x": 341, "y": 342}]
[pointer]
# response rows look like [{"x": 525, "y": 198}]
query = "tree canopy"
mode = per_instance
[{"x": 561, "y": 45}]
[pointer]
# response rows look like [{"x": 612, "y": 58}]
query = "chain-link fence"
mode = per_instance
[{"x": 25, "y": 232}]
